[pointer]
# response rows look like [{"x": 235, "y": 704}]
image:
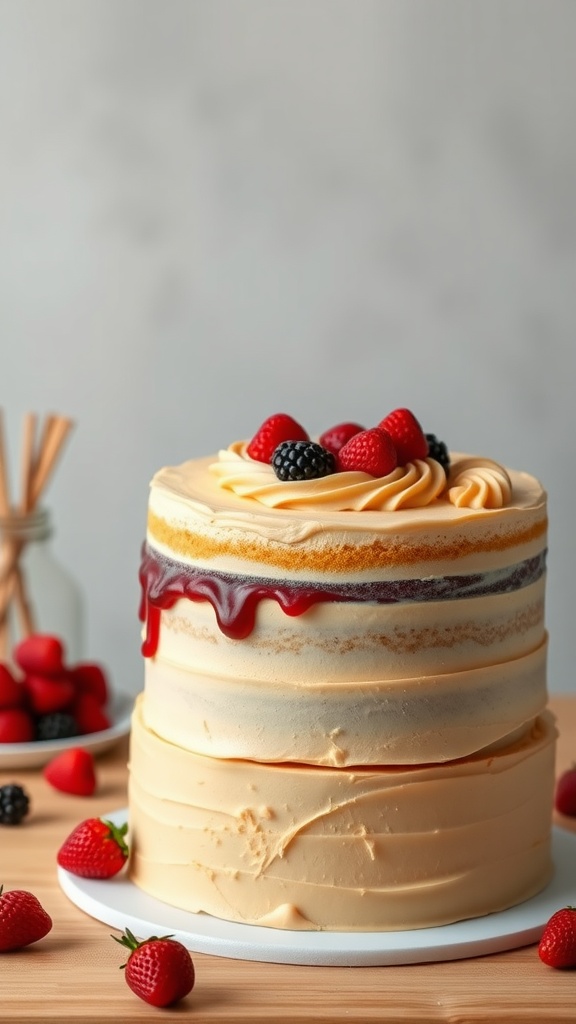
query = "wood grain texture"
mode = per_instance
[{"x": 73, "y": 974}]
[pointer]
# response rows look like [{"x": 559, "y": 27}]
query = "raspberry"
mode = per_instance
[
  {"x": 370, "y": 451},
  {"x": 407, "y": 434},
  {"x": 14, "y": 804},
  {"x": 302, "y": 460},
  {"x": 335, "y": 438},
  {"x": 438, "y": 450},
  {"x": 273, "y": 431},
  {"x": 58, "y": 725}
]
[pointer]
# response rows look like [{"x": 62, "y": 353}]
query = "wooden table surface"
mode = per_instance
[{"x": 73, "y": 974}]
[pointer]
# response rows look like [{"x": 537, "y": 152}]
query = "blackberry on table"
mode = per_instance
[
  {"x": 14, "y": 804},
  {"x": 438, "y": 450},
  {"x": 58, "y": 725},
  {"x": 302, "y": 460}
]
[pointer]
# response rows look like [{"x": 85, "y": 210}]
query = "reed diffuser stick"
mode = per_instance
[{"x": 38, "y": 460}]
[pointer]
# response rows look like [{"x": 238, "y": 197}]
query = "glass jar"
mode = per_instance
[{"x": 37, "y": 594}]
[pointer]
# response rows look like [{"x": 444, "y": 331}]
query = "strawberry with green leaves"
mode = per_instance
[
  {"x": 557, "y": 946},
  {"x": 159, "y": 970},
  {"x": 23, "y": 919},
  {"x": 96, "y": 848}
]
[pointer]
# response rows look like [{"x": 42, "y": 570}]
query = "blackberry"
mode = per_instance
[
  {"x": 437, "y": 450},
  {"x": 302, "y": 460},
  {"x": 14, "y": 804},
  {"x": 58, "y": 725}
]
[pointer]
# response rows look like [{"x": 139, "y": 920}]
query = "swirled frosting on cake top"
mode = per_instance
[{"x": 472, "y": 483}]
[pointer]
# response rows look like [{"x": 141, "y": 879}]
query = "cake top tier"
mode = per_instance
[{"x": 235, "y": 508}]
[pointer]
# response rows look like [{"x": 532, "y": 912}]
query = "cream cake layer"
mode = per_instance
[
  {"x": 317, "y": 720},
  {"x": 363, "y": 641},
  {"x": 381, "y": 848}
]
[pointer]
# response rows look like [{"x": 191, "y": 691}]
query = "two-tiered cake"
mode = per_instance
[{"x": 344, "y": 721}]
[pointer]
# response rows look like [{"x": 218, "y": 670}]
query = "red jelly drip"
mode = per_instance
[{"x": 234, "y": 598}]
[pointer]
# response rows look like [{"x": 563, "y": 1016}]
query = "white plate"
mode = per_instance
[
  {"x": 33, "y": 755},
  {"x": 120, "y": 904}
]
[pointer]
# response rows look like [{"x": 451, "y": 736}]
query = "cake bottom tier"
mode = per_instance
[{"x": 369, "y": 849}]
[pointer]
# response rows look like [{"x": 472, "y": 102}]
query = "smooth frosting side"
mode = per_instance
[
  {"x": 373, "y": 849},
  {"x": 409, "y": 721}
]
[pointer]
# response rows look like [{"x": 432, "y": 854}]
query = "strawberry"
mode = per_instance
[
  {"x": 565, "y": 797},
  {"x": 11, "y": 693},
  {"x": 95, "y": 849},
  {"x": 90, "y": 678},
  {"x": 40, "y": 654},
  {"x": 16, "y": 726},
  {"x": 23, "y": 919},
  {"x": 336, "y": 437},
  {"x": 371, "y": 451},
  {"x": 557, "y": 946},
  {"x": 88, "y": 714},
  {"x": 48, "y": 693},
  {"x": 72, "y": 771},
  {"x": 159, "y": 970},
  {"x": 407, "y": 434},
  {"x": 273, "y": 431}
]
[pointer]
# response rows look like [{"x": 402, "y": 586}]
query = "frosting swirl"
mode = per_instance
[
  {"x": 479, "y": 483},
  {"x": 474, "y": 483}
]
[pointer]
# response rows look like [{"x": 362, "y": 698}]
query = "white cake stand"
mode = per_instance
[{"x": 120, "y": 904}]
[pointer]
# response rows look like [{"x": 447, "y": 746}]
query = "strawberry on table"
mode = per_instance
[
  {"x": 96, "y": 848},
  {"x": 565, "y": 797},
  {"x": 23, "y": 919},
  {"x": 40, "y": 654},
  {"x": 159, "y": 970},
  {"x": 557, "y": 946},
  {"x": 407, "y": 434},
  {"x": 277, "y": 428},
  {"x": 72, "y": 771},
  {"x": 370, "y": 451}
]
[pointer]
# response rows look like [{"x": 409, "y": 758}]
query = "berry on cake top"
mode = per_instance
[{"x": 390, "y": 466}]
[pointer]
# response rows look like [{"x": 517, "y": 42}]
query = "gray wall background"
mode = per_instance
[{"x": 217, "y": 209}]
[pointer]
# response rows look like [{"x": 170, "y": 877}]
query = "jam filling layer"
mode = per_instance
[{"x": 235, "y": 598}]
